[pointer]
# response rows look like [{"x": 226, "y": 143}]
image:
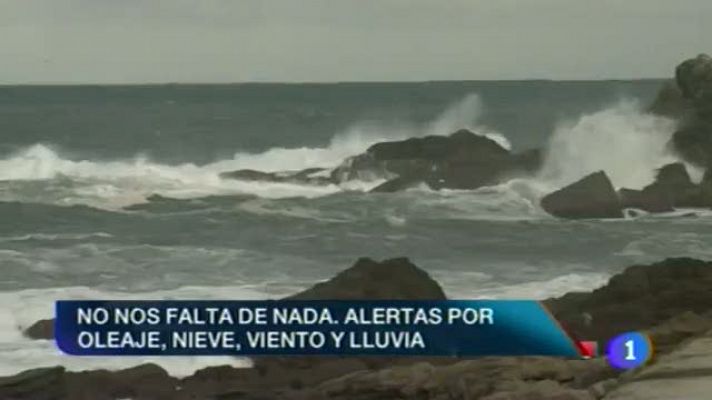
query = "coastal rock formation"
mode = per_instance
[
  {"x": 673, "y": 188},
  {"x": 394, "y": 279},
  {"x": 591, "y": 197},
  {"x": 41, "y": 330},
  {"x": 691, "y": 104},
  {"x": 463, "y": 160},
  {"x": 640, "y": 297},
  {"x": 670, "y": 300},
  {"x": 684, "y": 374}
]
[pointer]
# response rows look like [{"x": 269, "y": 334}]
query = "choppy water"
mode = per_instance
[{"x": 78, "y": 163}]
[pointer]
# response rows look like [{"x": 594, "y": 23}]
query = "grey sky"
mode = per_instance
[{"x": 119, "y": 41}]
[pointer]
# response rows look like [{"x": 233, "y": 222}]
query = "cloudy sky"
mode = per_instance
[{"x": 120, "y": 41}]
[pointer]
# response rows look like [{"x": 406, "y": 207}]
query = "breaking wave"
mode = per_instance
[
  {"x": 118, "y": 183},
  {"x": 627, "y": 143}
]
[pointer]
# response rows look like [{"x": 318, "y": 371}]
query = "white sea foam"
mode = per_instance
[
  {"x": 627, "y": 143},
  {"x": 114, "y": 184},
  {"x": 21, "y": 309},
  {"x": 539, "y": 290}
]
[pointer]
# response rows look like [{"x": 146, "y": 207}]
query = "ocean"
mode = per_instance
[{"x": 77, "y": 164}]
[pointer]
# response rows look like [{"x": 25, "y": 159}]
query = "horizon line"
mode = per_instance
[{"x": 235, "y": 83}]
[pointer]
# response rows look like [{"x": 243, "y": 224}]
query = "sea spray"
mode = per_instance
[{"x": 627, "y": 143}]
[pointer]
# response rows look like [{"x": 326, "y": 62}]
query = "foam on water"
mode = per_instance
[
  {"x": 118, "y": 183},
  {"x": 540, "y": 290},
  {"x": 21, "y": 309},
  {"x": 623, "y": 140}
]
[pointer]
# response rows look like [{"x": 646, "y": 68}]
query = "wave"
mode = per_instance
[
  {"x": 116, "y": 184},
  {"x": 623, "y": 140},
  {"x": 626, "y": 142}
]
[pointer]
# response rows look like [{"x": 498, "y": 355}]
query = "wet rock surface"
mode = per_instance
[
  {"x": 670, "y": 300},
  {"x": 591, "y": 197}
]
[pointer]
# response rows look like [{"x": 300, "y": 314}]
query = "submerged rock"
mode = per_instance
[
  {"x": 591, "y": 197},
  {"x": 311, "y": 176},
  {"x": 41, "y": 330}
]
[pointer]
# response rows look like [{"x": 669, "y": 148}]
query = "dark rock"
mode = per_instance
[
  {"x": 305, "y": 176},
  {"x": 397, "y": 184},
  {"x": 670, "y": 102},
  {"x": 694, "y": 77},
  {"x": 644, "y": 200},
  {"x": 395, "y": 279},
  {"x": 41, "y": 330},
  {"x": 250, "y": 175},
  {"x": 693, "y": 140},
  {"x": 463, "y": 160},
  {"x": 486, "y": 378},
  {"x": 590, "y": 197},
  {"x": 36, "y": 384},
  {"x": 672, "y": 189},
  {"x": 144, "y": 382},
  {"x": 706, "y": 188},
  {"x": 639, "y": 298}
]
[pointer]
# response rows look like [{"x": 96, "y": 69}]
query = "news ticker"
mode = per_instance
[{"x": 457, "y": 328}]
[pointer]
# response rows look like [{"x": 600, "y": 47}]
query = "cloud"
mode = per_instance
[{"x": 328, "y": 40}]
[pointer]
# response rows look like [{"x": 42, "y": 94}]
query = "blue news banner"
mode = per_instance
[{"x": 415, "y": 328}]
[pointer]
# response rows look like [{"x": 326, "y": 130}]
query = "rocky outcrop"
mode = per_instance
[
  {"x": 685, "y": 373},
  {"x": 395, "y": 279},
  {"x": 490, "y": 378},
  {"x": 37, "y": 384},
  {"x": 591, "y": 197},
  {"x": 642, "y": 296},
  {"x": 463, "y": 160},
  {"x": 41, "y": 330},
  {"x": 673, "y": 188},
  {"x": 691, "y": 104},
  {"x": 670, "y": 300}
]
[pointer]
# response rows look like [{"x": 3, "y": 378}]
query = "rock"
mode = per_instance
[
  {"x": 41, "y": 330},
  {"x": 694, "y": 77},
  {"x": 706, "y": 188},
  {"x": 670, "y": 102},
  {"x": 463, "y": 160},
  {"x": 395, "y": 279},
  {"x": 591, "y": 197},
  {"x": 639, "y": 298},
  {"x": 644, "y": 200},
  {"x": 36, "y": 384},
  {"x": 397, "y": 184},
  {"x": 693, "y": 139},
  {"x": 672, "y": 189},
  {"x": 144, "y": 382},
  {"x": 501, "y": 378},
  {"x": 311, "y": 176},
  {"x": 685, "y": 373}
]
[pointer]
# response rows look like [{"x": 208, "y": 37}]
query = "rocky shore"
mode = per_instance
[{"x": 670, "y": 300}]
